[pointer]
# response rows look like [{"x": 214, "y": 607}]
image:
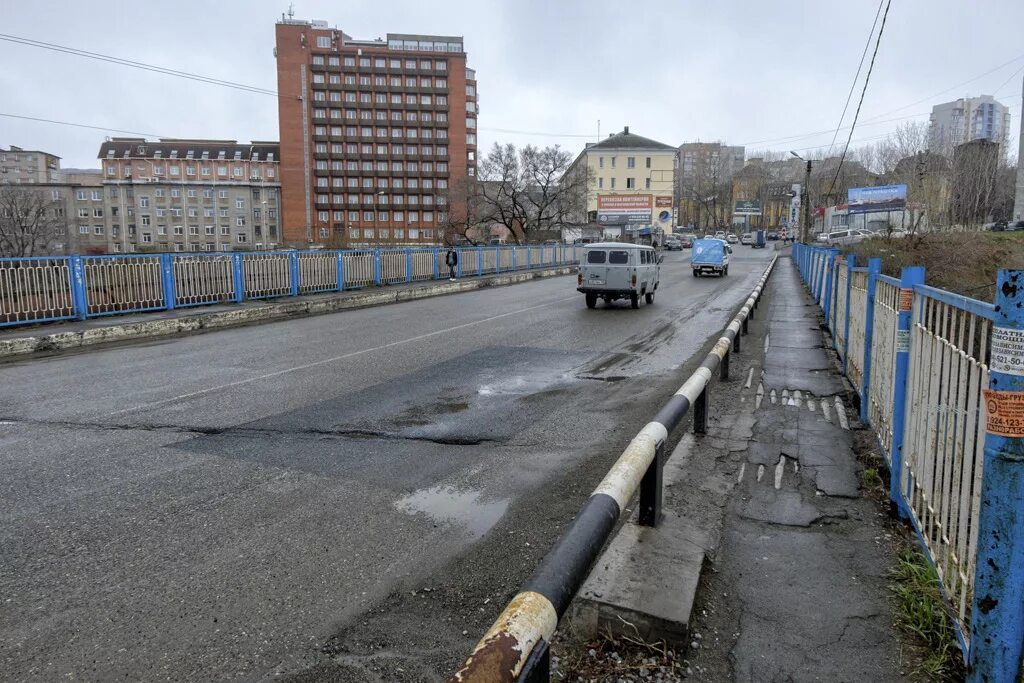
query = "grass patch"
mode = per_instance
[
  {"x": 921, "y": 613},
  {"x": 961, "y": 262},
  {"x": 870, "y": 477}
]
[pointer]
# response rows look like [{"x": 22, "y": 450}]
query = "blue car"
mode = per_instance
[{"x": 710, "y": 256}]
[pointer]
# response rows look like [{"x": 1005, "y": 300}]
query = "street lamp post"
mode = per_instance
[{"x": 805, "y": 232}]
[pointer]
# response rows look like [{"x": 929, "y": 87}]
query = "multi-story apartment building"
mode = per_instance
[
  {"x": 22, "y": 166},
  {"x": 189, "y": 195},
  {"x": 631, "y": 183},
  {"x": 704, "y": 179},
  {"x": 1018, "y": 203},
  {"x": 373, "y": 133},
  {"x": 966, "y": 119}
]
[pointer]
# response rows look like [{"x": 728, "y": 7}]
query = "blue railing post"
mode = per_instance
[
  {"x": 408, "y": 265},
  {"x": 167, "y": 269},
  {"x": 376, "y": 267},
  {"x": 437, "y": 264},
  {"x": 874, "y": 270},
  {"x": 515, "y": 258},
  {"x": 341, "y": 270},
  {"x": 910, "y": 276},
  {"x": 78, "y": 288},
  {"x": 529, "y": 257},
  {"x": 480, "y": 261},
  {"x": 997, "y": 618},
  {"x": 239, "y": 276},
  {"x": 497, "y": 259},
  {"x": 827, "y": 303},
  {"x": 461, "y": 253},
  {"x": 293, "y": 271},
  {"x": 850, "y": 261}
]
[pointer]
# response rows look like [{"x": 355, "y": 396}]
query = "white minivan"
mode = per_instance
[{"x": 614, "y": 270}]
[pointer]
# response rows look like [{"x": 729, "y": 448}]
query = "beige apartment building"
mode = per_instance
[
  {"x": 24, "y": 166},
  {"x": 632, "y": 184}
]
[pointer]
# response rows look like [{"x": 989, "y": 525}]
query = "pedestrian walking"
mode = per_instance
[{"x": 451, "y": 259}]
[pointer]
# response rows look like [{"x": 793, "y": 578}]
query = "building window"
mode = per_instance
[
  {"x": 147, "y": 237},
  {"x": 647, "y": 184},
  {"x": 630, "y": 183},
  {"x": 321, "y": 41},
  {"x": 239, "y": 203},
  {"x": 241, "y": 237},
  {"x": 368, "y": 216},
  {"x": 600, "y": 183},
  {"x": 613, "y": 162},
  {"x": 613, "y": 182},
  {"x": 648, "y": 162}
]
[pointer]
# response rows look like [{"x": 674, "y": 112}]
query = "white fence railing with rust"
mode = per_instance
[{"x": 36, "y": 290}]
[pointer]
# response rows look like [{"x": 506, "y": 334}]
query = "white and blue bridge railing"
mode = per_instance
[
  {"x": 51, "y": 288},
  {"x": 940, "y": 378}
]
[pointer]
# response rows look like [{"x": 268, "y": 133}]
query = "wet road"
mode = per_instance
[{"x": 230, "y": 505}]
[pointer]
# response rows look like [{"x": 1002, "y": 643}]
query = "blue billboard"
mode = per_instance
[{"x": 873, "y": 199}]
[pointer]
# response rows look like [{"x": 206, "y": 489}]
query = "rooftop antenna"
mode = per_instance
[{"x": 291, "y": 11}]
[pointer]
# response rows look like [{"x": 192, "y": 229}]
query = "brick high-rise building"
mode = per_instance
[{"x": 373, "y": 134}]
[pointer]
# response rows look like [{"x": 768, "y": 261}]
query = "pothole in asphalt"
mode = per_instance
[{"x": 450, "y": 505}]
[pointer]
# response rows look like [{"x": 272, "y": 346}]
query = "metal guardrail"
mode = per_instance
[
  {"x": 941, "y": 383},
  {"x": 516, "y": 647},
  {"x": 36, "y": 290}
]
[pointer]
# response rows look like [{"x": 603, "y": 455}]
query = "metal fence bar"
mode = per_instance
[
  {"x": 317, "y": 271},
  {"x": 200, "y": 280},
  {"x": 125, "y": 284},
  {"x": 266, "y": 274},
  {"x": 36, "y": 290}
]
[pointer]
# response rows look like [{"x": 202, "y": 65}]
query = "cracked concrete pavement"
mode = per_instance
[{"x": 796, "y": 590}]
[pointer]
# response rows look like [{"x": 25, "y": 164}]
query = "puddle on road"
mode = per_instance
[
  {"x": 521, "y": 384},
  {"x": 447, "y": 504}
]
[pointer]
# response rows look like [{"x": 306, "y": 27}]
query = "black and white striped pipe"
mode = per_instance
[{"x": 521, "y": 633}]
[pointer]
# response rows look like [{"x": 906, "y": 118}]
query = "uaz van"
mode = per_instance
[{"x": 612, "y": 270}]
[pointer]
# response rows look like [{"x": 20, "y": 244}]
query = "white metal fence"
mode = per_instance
[
  {"x": 123, "y": 285},
  {"x": 35, "y": 290},
  {"x": 858, "y": 326},
  {"x": 944, "y": 438},
  {"x": 883, "y": 356},
  {"x": 202, "y": 280}
]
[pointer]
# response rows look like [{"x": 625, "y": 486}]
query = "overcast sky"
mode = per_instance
[{"x": 743, "y": 71}]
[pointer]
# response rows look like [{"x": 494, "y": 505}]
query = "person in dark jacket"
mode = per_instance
[{"x": 451, "y": 259}]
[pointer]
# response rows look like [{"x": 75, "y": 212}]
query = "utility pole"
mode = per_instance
[{"x": 807, "y": 204}]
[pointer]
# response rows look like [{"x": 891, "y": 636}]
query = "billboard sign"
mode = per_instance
[
  {"x": 624, "y": 209},
  {"x": 747, "y": 208},
  {"x": 874, "y": 199},
  {"x": 663, "y": 202}
]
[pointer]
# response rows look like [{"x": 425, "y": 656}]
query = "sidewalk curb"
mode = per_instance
[{"x": 271, "y": 311}]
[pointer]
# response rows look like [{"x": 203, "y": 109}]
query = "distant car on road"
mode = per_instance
[
  {"x": 747, "y": 238},
  {"x": 673, "y": 244},
  {"x": 732, "y": 239},
  {"x": 582, "y": 240},
  {"x": 720, "y": 235},
  {"x": 686, "y": 242},
  {"x": 613, "y": 270},
  {"x": 710, "y": 237},
  {"x": 773, "y": 235}
]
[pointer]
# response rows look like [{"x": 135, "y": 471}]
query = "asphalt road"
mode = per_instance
[{"x": 277, "y": 499}]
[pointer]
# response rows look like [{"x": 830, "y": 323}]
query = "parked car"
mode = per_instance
[
  {"x": 582, "y": 240},
  {"x": 773, "y": 236},
  {"x": 844, "y": 237},
  {"x": 551, "y": 242},
  {"x": 720, "y": 234},
  {"x": 686, "y": 241},
  {"x": 732, "y": 239},
  {"x": 709, "y": 237},
  {"x": 614, "y": 270},
  {"x": 673, "y": 243},
  {"x": 710, "y": 256},
  {"x": 1016, "y": 225},
  {"x": 748, "y": 238}
]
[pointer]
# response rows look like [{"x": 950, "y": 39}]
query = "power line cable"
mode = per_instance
[
  {"x": 136, "y": 65},
  {"x": 856, "y": 76},
  {"x": 856, "y": 115},
  {"x": 81, "y": 125}
]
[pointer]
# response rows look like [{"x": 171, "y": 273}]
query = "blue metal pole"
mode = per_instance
[
  {"x": 293, "y": 271},
  {"x": 461, "y": 253},
  {"x": 376, "y": 267},
  {"x": 910, "y": 276},
  {"x": 408, "y": 265},
  {"x": 497, "y": 259},
  {"x": 515, "y": 259},
  {"x": 827, "y": 307},
  {"x": 78, "y": 296},
  {"x": 437, "y": 264},
  {"x": 529, "y": 257},
  {"x": 874, "y": 270},
  {"x": 997, "y": 618},
  {"x": 236, "y": 270},
  {"x": 850, "y": 261},
  {"x": 167, "y": 268},
  {"x": 480, "y": 261},
  {"x": 341, "y": 270}
]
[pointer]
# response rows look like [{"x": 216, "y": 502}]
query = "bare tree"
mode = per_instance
[
  {"x": 468, "y": 217},
  {"x": 531, "y": 190},
  {"x": 29, "y": 224}
]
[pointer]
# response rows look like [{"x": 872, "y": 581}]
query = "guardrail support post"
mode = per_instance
[
  {"x": 167, "y": 270},
  {"x": 874, "y": 269},
  {"x": 910, "y": 276},
  {"x": 78, "y": 287},
  {"x": 723, "y": 367},
  {"x": 293, "y": 271},
  {"x": 538, "y": 667},
  {"x": 736, "y": 339},
  {"x": 997, "y": 618},
  {"x": 341, "y": 270},
  {"x": 700, "y": 412},
  {"x": 745, "y": 324},
  {"x": 850, "y": 261},
  {"x": 239, "y": 275},
  {"x": 377, "y": 279},
  {"x": 650, "y": 489}
]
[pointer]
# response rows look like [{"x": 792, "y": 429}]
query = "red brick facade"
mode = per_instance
[{"x": 373, "y": 134}]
